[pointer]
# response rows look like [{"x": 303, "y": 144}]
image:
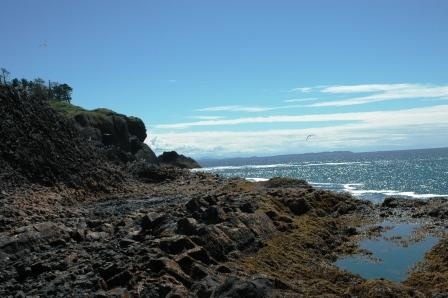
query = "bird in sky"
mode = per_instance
[
  {"x": 309, "y": 137},
  {"x": 43, "y": 44}
]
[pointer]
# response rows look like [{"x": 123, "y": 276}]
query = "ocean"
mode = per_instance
[{"x": 370, "y": 176}]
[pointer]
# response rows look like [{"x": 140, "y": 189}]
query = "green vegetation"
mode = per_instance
[
  {"x": 65, "y": 108},
  {"x": 53, "y": 91},
  {"x": 107, "y": 112},
  {"x": 57, "y": 95},
  {"x": 70, "y": 111}
]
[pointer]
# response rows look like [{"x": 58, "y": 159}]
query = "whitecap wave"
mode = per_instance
[
  {"x": 280, "y": 165},
  {"x": 222, "y": 168},
  {"x": 352, "y": 188},
  {"x": 323, "y": 183},
  {"x": 255, "y": 179},
  {"x": 337, "y": 163}
]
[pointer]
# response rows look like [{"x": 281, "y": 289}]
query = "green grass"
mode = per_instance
[
  {"x": 106, "y": 112},
  {"x": 65, "y": 108},
  {"x": 70, "y": 111}
]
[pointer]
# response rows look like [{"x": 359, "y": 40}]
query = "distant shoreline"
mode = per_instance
[{"x": 210, "y": 162}]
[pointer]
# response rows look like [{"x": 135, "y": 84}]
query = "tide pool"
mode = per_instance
[{"x": 394, "y": 253}]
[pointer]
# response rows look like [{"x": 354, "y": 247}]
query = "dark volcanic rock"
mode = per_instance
[
  {"x": 175, "y": 160},
  {"x": 234, "y": 287},
  {"x": 39, "y": 145},
  {"x": 152, "y": 173},
  {"x": 31, "y": 237},
  {"x": 297, "y": 206},
  {"x": 122, "y": 135},
  {"x": 187, "y": 226},
  {"x": 390, "y": 202},
  {"x": 283, "y": 182}
]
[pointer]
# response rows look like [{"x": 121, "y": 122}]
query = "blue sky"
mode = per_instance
[{"x": 242, "y": 78}]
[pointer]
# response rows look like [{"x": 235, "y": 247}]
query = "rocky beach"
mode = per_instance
[{"x": 88, "y": 210}]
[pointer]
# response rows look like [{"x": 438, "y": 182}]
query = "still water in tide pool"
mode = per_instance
[
  {"x": 392, "y": 255},
  {"x": 371, "y": 179}
]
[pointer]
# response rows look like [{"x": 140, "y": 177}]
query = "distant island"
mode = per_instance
[{"x": 318, "y": 156}]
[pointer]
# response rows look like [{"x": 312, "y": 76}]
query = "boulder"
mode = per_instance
[
  {"x": 31, "y": 237},
  {"x": 236, "y": 287},
  {"x": 145, "y": 154},
  {"x": 187, "y": 226},
  {"x": 175, "y": 160}
]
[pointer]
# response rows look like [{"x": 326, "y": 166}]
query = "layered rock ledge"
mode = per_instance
[{"x": 196, "y": 235}]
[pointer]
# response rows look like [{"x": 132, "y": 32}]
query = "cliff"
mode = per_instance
[
  {"x": 40, "y": 146},
  {"x": 121, "y": 136}
]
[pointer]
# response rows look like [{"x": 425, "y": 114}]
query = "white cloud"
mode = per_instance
[
  {"x": 441, "y": 110},
  {"x": 382, "y": 92},
  {"x": 250, "y": 109},
  {"x": 302, "y": 89},
  {"x": 227, "y": 143},
  {"x": 300, "y": 99},
  {"x": 235, "y": 108},
  {"x": 390, "y": 129},
  {"x": 363, "y": 88},
  {"x": 207, "y": 117},
  {"x": 418, "y": 127}
]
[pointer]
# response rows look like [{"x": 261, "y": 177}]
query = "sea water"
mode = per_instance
[
  {"x": 373, "y": 178},
  {"x": 367, "y": 177},
  {"x": 393, "y": 253}
]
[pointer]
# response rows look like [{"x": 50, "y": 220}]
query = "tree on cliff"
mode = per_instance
[
  {"x": 61, "y": 91},
  {"x": 38, "y": 88}
]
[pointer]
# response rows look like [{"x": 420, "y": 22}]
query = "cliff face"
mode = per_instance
[
  {"x": 122, "y": 137},
  {"x": 39, "y": 145},
  {"x": 177, "y": 160}
]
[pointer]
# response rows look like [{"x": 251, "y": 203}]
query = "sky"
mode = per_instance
[{"x": 245, "y": 78}]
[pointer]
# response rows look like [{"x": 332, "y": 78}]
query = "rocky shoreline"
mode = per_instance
[
  {"x": 200, "y": 235},
  {"x": 88, "y": 210}
]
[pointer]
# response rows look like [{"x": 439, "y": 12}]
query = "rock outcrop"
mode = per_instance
[
  {"x": 188, "y": 237},
  {"x": 39, "y": 145},
  {"x": 122, "y": 136},
  {"x": 173, "y": 159}
]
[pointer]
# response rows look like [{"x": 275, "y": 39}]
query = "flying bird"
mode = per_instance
[
  {"x": 43, "y": 44},
  {"x": 309, "y": 137}
]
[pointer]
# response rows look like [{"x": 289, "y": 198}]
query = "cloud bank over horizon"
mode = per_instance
[{"x": 359, "y": 117}]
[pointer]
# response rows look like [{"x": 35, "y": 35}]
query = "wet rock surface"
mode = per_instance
[
  {"x": 186, "y": 237},
  {"x": 196, "y": 235},
  {"x": 436, "y": 208}
]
